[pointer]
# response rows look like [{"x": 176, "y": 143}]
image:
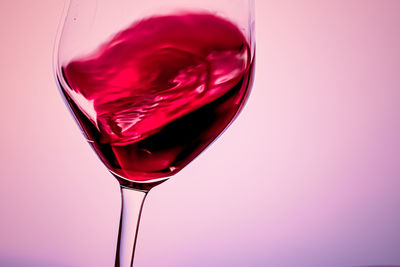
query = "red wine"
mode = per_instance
[{"x": 159, "y": 92}]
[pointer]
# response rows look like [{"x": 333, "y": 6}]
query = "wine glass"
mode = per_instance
[{"x": 151, "y": 84}]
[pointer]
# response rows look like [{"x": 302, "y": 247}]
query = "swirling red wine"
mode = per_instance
[{"x": 158, "y": 93}]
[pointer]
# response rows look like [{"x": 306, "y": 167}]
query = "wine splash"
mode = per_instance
[{"x": 158, "y": 93}]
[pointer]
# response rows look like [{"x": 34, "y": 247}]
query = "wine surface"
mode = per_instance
[{"x": 159, "y": 92}]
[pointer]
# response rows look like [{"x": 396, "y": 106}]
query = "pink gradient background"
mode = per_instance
[{"x": 308, "y": 175}]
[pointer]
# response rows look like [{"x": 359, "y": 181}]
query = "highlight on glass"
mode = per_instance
[{"x": 151, "y": 84}]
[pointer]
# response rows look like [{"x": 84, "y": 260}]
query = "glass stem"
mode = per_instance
[{"x": 131, "y": 209}]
